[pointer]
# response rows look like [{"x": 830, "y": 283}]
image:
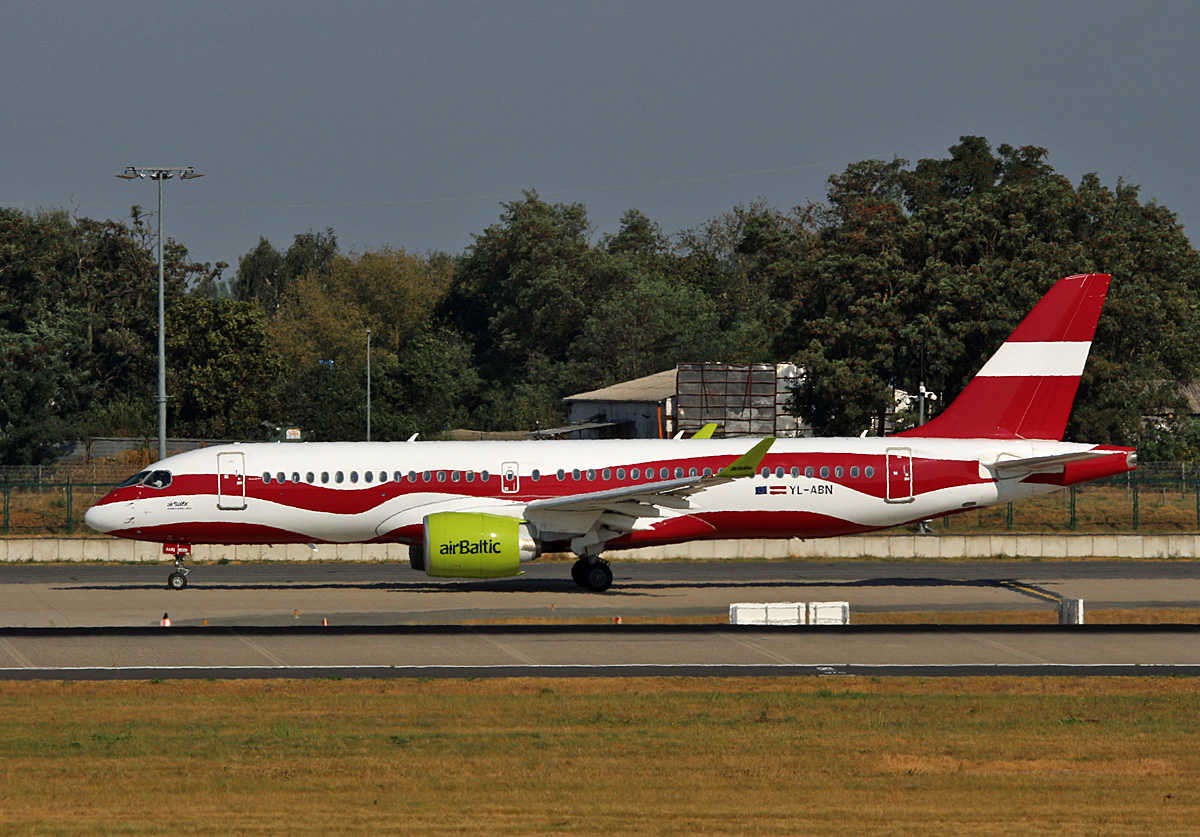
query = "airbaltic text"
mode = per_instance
[{"x": 466, "y": 547}]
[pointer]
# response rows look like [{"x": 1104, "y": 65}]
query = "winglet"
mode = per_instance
[
  {"x": 746, "y": 464},
  {"x": 705, "y": 432}
]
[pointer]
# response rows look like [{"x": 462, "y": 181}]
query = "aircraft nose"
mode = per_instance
[{"x": 102, "y": 517}]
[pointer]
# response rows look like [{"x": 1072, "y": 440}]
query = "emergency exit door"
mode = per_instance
[
  {"x": 899, "y": 475},
  {"x": 231, "y": 481}
]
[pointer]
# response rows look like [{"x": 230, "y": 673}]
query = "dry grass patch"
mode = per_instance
[{"x": 637, "y": 756}]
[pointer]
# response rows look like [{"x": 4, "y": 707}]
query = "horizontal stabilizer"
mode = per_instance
[{"x": 1044, "y": 464}]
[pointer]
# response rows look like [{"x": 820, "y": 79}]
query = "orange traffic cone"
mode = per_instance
[{"x": 166, "y": 621}]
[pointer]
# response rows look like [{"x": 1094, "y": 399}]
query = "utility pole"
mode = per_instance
[
  {"x": 368, "y": 384},
  {"x": 160, "y": 173}
]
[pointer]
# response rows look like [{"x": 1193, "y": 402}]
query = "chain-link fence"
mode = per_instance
[{"x": 1147, "y": 500}]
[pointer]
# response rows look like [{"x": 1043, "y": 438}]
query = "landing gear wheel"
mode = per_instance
[
  {"x": 177, "y": 581},
  {"x": 594, "y": 575}
]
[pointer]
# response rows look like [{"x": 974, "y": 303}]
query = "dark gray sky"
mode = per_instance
[{"x": 409, "y": 123}]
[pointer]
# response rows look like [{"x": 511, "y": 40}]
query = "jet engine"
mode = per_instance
[{"x": 474, "y": 545}]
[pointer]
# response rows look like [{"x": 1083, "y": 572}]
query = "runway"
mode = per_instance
[{"x": 262, "y": 620}]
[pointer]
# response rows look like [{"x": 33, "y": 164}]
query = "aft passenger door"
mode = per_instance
[
  {"x": 899, "y": 475},
  {"x": 231, "y": 481}
]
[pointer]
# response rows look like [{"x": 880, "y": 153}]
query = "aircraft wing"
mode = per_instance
[{"x": 592, "y": 519}]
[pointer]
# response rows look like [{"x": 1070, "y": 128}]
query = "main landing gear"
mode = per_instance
[
  {"x": 178, "y": 579},
  {"x": 592, "y": 573}
]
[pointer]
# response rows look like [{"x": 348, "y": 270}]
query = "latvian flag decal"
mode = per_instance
[{"x": 772, "y": 489}]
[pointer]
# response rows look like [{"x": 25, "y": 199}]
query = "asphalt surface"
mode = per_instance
[{"x": 384, "y": 620}]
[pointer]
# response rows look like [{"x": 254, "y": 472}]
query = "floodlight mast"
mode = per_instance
[{"x": 160, "y": 173}]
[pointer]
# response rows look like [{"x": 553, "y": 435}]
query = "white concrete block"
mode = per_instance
[
  {"x": 1080, "y": 546},
  {"x": 829, "y": 613},
  {"x": 1130, "y": 546},
  {"x": 43, "y": 549},
  {"x": 1070, "y": 612},
  {"x": 747, "y": 613},
  {"x": 1155, "y": 546},
  {"x": 1104, "y": 546}
]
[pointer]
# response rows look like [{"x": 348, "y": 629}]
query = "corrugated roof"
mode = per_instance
[{"x": 656, "y": 387}]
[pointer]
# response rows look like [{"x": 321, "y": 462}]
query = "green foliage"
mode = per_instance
[
  {"x": 221, "y": 368},
  {"x": 902, "y": 274},
  {"x": 920, "y": 275}
]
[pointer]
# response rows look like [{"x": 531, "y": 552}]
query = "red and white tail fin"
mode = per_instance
[{"x": 1027, "y": 388}]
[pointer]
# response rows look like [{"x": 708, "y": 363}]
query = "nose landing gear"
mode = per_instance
[{"x": 178, "y": 579}]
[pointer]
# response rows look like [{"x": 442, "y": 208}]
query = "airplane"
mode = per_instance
[{"x": 482, "y": 509}]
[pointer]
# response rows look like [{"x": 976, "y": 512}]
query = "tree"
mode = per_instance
[
  {"x": 264, "y": 274},
  {"x": 222, "y": 372}
]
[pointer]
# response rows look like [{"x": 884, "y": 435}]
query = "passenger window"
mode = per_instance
[
  {"x": 369, "y": 476},
  {"x": 441, "y": 476},
  {"x": 779, "y": 471},
  {"x": 870, "y": 472},
  {"x": 636, "y": 473},
  {"x": 354, "y": 476},
  {"x": 766, "y": 472},
  {"x": 483, "y": 475},
  {"x": 281, "y": 477},
  {"x": 692, "y": 472},
  {"x": 620, "y": 473},
  {"x": 575, "y": 474},
  {"x": 591, "y": 474},
  {"x": 808, "y": 472},
  {"x": 535, "y": 475},
  {"x": 339, "y": 477},
  {"x": 607, "y": 474},
  {"x": 824, "y": 472},
  {"x": 837, "y": 472},
  {"x": 426, "y": 476},
  {"x": 708, "y": 472},
  {"x": 561, "y": 474},
  {"x": 795, "y": 472},
  {"x": 454, "y": 476},
  {"x": 663, "y": 473},
  {"x": 854, "y": 471},
  {"x": 471, "y": 476},
  {"x": 324, "y": 478},
  {"x": 266, "y": 478},
  {"x": 310, "y": 477}
]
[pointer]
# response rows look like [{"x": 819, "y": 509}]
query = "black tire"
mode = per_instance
[
  {"x": 177, "y": 581},
  {"x": 578, "y": 569},
  {"x": 597, "y": 577}
]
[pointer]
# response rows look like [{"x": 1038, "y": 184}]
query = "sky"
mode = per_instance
[{"x": 410, "y": 124}]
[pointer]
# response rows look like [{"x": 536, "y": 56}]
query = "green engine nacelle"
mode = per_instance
[{"x": 476, "y": 545}]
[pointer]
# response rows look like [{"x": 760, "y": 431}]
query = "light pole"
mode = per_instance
[
  {"x": 368, "y": 384},
  {"x": 160, "y": 173}
]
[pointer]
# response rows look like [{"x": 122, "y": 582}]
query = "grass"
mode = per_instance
[{"x": 639, "y": 756}]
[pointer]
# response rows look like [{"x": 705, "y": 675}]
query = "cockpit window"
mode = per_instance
[
  {"x": 135, "y": 479},
  {"x": 158, "y": 479},
  {"x": 153, "y": 479}
]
